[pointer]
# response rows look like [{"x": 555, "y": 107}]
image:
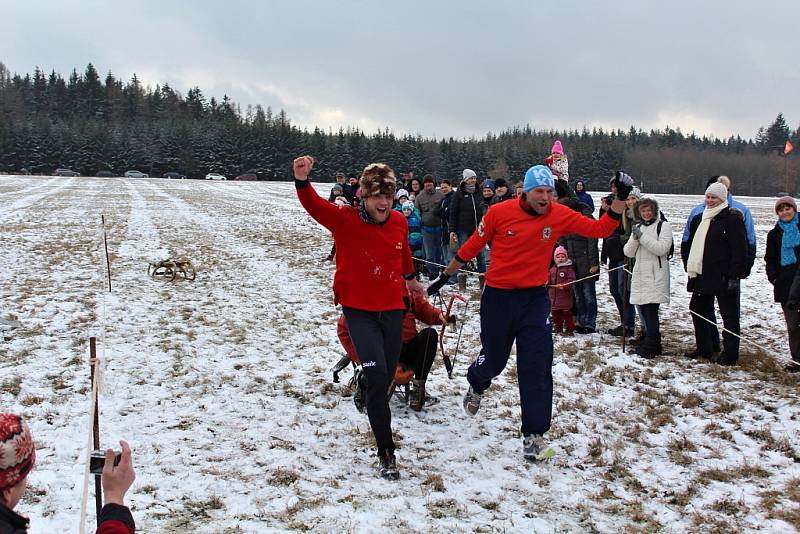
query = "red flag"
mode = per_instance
[{"x": 788, "y": 148}]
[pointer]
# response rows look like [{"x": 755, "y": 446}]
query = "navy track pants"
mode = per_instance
[{"x": 520, "y": 315}]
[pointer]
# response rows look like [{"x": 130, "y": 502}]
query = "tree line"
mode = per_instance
[{"x": 89, "y": 124}]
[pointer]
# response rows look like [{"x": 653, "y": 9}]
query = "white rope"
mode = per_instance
[{"x": 762, "y": 347}]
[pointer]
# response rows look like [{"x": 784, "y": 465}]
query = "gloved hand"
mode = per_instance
[
  {"x": 437, "y": 284},
  {"x": 636, "y": 231},
  {"x": 624, "y": 185},
  {"x": 733, "y": 286}
]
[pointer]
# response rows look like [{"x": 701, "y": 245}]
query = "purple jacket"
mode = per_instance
[{"x": 561, "y": 299}]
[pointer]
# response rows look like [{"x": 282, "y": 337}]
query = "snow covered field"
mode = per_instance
[{"x": 222, "y": 386}]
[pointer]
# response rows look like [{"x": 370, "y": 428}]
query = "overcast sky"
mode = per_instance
[{"x": 440, "y": 68}]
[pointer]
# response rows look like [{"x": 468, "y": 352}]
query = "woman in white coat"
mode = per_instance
[{"x": 650, "y": 245}]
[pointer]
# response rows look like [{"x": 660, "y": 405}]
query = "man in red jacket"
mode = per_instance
[
  {"x": 17, "y": 457},
  {"x": 373, "y": 271},
  {"x": 419, "y": 348},
  {"x": 515, "y": 305}
]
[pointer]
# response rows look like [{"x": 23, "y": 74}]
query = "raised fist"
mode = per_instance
[{"x": 302, "y": 167}]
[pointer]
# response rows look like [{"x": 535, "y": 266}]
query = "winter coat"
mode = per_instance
[
  {"x": 442, "y": 210},
  {"x": 725, "y": 255},
  {"x": 613, "y": 245},
  {"x": 781, "y": 277},
  {"x": 114, "y": 519},
  {"x": 417, "y": 309},
  {"x": 561, "y": 298},
  {"x": 465, "y": 210},
  {"x": 582, "y": 251},
  {"x": 650, "y": 280},
  {"x": 426, "y": 205},
  {"x": 415, "y": 234},
  {"x": 497, "y": 198},
  {"x": 583, "y": 196}
]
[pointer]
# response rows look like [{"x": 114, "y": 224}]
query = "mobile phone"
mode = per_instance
[{"x": 97, "y": 460}]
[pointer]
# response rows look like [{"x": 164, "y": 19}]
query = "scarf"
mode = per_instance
[
  {"x": 469, "y": 189},
  {"x": 694, "y": 265},
  {"x": 791, "y": 239},
  {"x": 366, "y": 217}
]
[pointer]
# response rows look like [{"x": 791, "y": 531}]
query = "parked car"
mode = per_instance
[
  {"x": 65, "y": 172},
  {"x": 106, "y": 174},
  {"x": 174, "y": 175},
  {"x": 248, "y": 176},
  {"x": 135, "y": 174},
  {"x": 215, "y": 176}
]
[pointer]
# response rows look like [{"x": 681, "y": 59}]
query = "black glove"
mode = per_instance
[
  {"x": 452, "y": 319},
  {"x": 437, "y": 284},
  {"x": 733, "y": 286},
  {"x": 624, "y": 185}
]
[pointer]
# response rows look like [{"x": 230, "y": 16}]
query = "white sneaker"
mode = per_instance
[
  {"x": 535, "y": 449},
  {"x": 472, "y": 401}
]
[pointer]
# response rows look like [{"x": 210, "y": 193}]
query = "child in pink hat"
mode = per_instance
[{"x": 562, "y": 274}]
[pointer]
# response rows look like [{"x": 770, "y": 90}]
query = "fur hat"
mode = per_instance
[
  {"x": 401, "y": 193},
  {"x": 538, "y": 176},
  {"x": 785, "y": 200},
  {"x": 467, "y": 174},
  {"x": 377, "y": 179},
  {"x": 17, "y": 453},
  {"x": 488, "y": 184},
  {"x": 500, "y": 182},
  {"x": 718, "y": 190},
  {"x": 560, "y": 250},
  {"x": 408, "y": 205}
]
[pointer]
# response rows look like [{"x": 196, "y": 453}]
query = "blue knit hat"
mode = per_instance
[
  {"x": 538, "y": 176},
  {"x": 488, "y": 183}
]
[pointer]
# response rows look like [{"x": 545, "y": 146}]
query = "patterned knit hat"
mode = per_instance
[
  {"x": 560, "y": 250},
  {"x": 17, "y": 454}
]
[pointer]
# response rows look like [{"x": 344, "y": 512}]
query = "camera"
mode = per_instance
[{"x": 97, "y": 460}]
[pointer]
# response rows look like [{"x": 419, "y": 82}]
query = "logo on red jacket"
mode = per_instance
[
  {"x": 546, "y": 233},
  {"x": 481, "y": 229}
]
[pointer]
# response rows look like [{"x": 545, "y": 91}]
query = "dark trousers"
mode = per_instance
[
  {"x": 419, "y": 353},
  {"x": 586, "y": 303},
  {"x": 616, "y": 284},
  {"x": 520, "y": 315},
  {"x": 705, "y": 333},
  {"x": 793, "y": 329},
  {"x": 650, "y": 319},
  {"x": 377, "y": 338}
]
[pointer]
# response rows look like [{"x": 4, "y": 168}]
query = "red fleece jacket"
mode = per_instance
[
  {"x": 371, "y": 259},
  {"x": 522, "y": 243}
]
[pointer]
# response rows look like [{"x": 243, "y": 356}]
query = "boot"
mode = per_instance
[
  {"x": 388, "y": 466},
  {"x": 648, "y": 348},
  {"x": 416, "y": 396}
]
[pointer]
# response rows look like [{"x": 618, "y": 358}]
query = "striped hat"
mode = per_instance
[{"x": 17, "y": 454}]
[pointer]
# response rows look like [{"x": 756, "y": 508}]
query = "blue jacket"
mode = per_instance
[{"x": 748, "y": 226}]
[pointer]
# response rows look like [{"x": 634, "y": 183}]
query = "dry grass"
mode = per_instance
[{"x": 435, "y": 482}]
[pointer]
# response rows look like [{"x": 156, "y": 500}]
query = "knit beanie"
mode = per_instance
[
  {"x": 635, "y": 193},
  {"x": 560, "y": 250},
  {"x": 500, "y": 182},
  {"x": 408, "y": 205},
  {"x": 489, "y": 184},
  {"x": 557, "y": 148},
  {"x": 718, "y": 190},
  {"x": 337, "y": 187},
  {"x": 401, "y": 193},
  {"x": 538, "y": 176},
  {"x": 17, "y": 454},
  {"x": 785, "y": 200},
  {"x": 467, "y": 174}
]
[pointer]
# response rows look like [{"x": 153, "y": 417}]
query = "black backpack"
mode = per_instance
[{"x": 658, "y": 234}]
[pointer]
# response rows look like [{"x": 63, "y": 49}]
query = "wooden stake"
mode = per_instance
[{"x": 98, "y": 488}]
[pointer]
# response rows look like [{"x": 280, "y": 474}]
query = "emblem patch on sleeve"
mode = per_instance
[
  {"x": 481, "y": 229},
  {"x": 546, "y": 233}
]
